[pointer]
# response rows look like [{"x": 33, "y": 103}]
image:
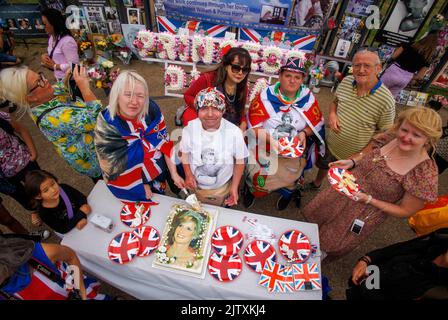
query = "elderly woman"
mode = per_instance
[
  {"x": 132, "y": 142},
  {"x": 396, "y": 174},
  {"x": 62, "y": 49},
  {"x": 67, "y": 124}
]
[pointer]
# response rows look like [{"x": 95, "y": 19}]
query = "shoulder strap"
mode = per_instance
[
  {"x": 46, "y": 271},
  {"x": 67, "y": 202},
  {"x": 54, "y": 47},
  {"x": 40, "y": 117}
]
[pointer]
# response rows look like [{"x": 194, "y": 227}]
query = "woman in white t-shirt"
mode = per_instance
[{"x": 213, "y": 151}]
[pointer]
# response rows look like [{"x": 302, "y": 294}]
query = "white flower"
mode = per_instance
[
  {"x": 259, "y": 85},
  {"x": 272, "y": 57},
  {"x": 107, "y": 64},
  {"x": 175, "y": 77},
  {"x": 254, "y": 51},
  {"x": 168, "y": 42},
  {"x": 162, "y": 249}
]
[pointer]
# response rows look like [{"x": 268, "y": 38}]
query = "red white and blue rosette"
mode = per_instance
[
  {"x": 149, "y": 240},
  {"x": 227, "y": 240},
  {"x": 225, "y": 268},
  {"x": 136, "y": 214},
  {"x": 256, "y": 254},
  {"x": 124, "y": 247},
  {"x": 290, "y": 147},
  {"x": 294, "y": 246},
  {"x": 338, "y": 179}
]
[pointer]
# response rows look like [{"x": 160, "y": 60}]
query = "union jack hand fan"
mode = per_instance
[
  {"x": 290, "y": 147},
  {"x": 294, "y": 246},
  {"x": 224, "y": 268},
  {"x": 256, "y": 254},
  {"x": 149, "y": 240},
  {"x": 124, "y": 247},
  {"x": 343, "y": 181},
  {"x": 227, "y": 240}
]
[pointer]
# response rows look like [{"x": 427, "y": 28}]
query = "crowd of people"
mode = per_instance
[{"x": 225, "y": 148}]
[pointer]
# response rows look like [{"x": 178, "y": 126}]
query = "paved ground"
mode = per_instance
[{"x": 392, "y": 231}]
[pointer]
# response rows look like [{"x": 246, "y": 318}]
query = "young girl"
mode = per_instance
[{"x": 60, "y": 206}]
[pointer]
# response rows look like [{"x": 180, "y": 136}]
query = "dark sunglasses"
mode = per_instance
[
  {"x": 237, "y": 68},
  {"x": 40, "y": 82}
]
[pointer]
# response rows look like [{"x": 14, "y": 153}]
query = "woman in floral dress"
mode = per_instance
[
  {"x": 396, "y": 175},
  {"x": 65, "y": 123}
]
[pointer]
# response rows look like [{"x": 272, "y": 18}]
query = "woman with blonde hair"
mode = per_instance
[
  {"x": 397, "y": 177},
  {"x": 132, "y": 142}
]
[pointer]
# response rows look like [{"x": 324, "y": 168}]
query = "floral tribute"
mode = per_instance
[
  {"x": 272, "y": 60},
  {"x": 175, "y": 78},
  {"x": 145, "y": 43},
  {"x": 102, "y": 73},
  {"x": 259, "y": 86}
]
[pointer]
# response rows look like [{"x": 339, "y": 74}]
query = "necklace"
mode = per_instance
[{"x": 228, "y": 97}]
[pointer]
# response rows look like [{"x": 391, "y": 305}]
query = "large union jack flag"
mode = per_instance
[
  {"x": 149, "y": 240},
  {"x": 290, "y": 147},
  {"x": 256, "y": 254},
  {"x": 343, "y": 181},
  {"x": 306, "y": 276},
  {"x": 225, "y": 268},
  {"x": 295, "y": 246},
  {"x": 135, "y": 214},
  {"x": 274, "y": 277},
  {"x": 124, "y": 247},
  {"x": 227, "y": 240}
]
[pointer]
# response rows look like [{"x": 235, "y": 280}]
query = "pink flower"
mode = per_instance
[{"x": 272, "y": 60}]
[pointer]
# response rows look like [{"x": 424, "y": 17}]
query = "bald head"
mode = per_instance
[{"x": 369, "y": 55}]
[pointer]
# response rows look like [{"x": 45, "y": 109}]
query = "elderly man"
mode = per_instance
[
  {"x": 267, "y": 120},
  {"x": 66, "y": 122},
  {"x": 362, "y": 107}
]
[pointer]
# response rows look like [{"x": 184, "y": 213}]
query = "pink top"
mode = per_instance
[{"x": 65, "y": 54}]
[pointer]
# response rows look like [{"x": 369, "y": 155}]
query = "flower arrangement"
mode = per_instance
[
  {"x": 272, "y": 60},
  {"x": 259, "y": 85},
  {"x": 145, "y": 43},
  {"x": 203, "y": 49},
  {"x": 254, "y": 51},
  {"x": 166, "y": 44},
  {"x": 195, "y": 74},
  {"x": 84, "y": 45},
  {"x": 102, "y": 73},
  {"x": 183, "y": 46},
  {"x": 197, "y": 42},
  {"x": 175, "y": 77},
  {"x": 124, "y": 54}
]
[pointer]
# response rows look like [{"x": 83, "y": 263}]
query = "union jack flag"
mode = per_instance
[
  {"x": 172, "y": 26},
  {"x": 274, "y": 277},
  {"x": 135, "y": 214},
  {"x": 306, "y": 276},
  {"x": 149, "y": 240},
  {"x": 290, "y": 147},
  {"x": 225, "y": 268},
  {"x": 256, "y": 254},
  {"x": 343, "y": 181},
  {"x": 295, "y": 246},
  {"x": 227, "y": 240},
  {"x": 124, "y": 247}
]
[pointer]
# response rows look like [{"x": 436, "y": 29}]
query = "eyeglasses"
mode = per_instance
[
  {"x": 237, "y": 68},
  {"x": 41, "y": 82}
]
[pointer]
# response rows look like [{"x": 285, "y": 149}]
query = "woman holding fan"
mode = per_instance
[{"x": 396, "y": 175}]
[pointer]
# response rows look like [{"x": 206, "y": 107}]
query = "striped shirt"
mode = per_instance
[{"x": 359, "y": 117}]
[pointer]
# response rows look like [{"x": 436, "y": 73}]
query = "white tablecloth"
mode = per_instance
[{"x": 141, "y": 280}]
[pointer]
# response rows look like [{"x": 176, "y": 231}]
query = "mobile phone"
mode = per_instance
[{"x": 74, "y": 90}]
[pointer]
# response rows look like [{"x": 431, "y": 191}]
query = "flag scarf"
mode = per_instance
[
  {"x": 132, "y": 151},
  {"x": 268, "y": 104}
]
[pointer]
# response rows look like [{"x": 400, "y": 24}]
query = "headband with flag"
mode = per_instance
[{"x": 294, "y": 64}]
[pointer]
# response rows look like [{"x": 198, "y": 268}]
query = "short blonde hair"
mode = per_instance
[
  {"x": 126, "y": 77},
  {"x": 13, "y": 86},
  {"x": 424, "y": 119}
]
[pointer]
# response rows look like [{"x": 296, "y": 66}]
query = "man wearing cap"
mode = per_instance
[
  {"x": 213, "y": 151},
  {"x": 285, "y": 109}
]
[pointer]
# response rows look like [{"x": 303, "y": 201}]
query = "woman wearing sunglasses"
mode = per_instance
[{"x": 230, "y": 77}]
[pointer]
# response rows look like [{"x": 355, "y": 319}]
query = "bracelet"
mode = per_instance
[
  {"x": 365, "y": 259},
  {"x": 354, "y": 163},
  {"x": 369, "y": 199}
]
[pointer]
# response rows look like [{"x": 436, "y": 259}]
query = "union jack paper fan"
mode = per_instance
[
  {"x": 290, "y": 147},
  {"x": 343, "y": 181},
  {"x": 135, "y": 214},
  {"x": 294, "y": 246},
  {"x": 124, "y": 247},
  {"x": 256, "y": 254},
  {"x": 224, "y": 268},
  {"x": 149, "y": 240},
  {"x": 227, "y": 240},
  {"x": 306, "y": 276},
  {"x": 276, "y": 277}
]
